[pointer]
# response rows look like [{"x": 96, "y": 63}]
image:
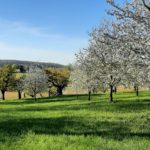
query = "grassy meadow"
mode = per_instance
[{"x": 68, "y": 123}]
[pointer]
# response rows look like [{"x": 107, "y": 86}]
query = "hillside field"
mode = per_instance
[{"x": 68, "y": 123}]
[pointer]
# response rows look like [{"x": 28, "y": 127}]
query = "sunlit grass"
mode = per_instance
[{"x": 69, "y": 123}]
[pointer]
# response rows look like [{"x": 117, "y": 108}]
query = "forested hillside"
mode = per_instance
[{"x": 30, "y": 63}]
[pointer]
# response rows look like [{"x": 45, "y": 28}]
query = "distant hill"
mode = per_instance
[{"x": 30, "y": 64}]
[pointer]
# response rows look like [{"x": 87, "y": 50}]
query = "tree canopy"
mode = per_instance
[
  {"x": 58, "y": 77},
  {"x": 6, "y": 78}
]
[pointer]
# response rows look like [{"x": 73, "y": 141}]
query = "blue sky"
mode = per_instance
[{"x": 47, "y": 30}]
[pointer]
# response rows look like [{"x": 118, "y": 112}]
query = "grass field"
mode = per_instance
[{"x": 66, "y": 123}]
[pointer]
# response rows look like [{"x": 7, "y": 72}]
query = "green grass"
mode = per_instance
[{"x": 66, "y": 123}]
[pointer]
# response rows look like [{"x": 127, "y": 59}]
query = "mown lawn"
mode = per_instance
[{"x": 60, "y": 123}]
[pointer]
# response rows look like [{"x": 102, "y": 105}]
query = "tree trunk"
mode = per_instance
[
  {"x": 3, "y": 94},
  {"x": 104, "y": 91},
  {"x": 59, "y": 91},
  {"x": 137, "y": 91},
  {"x": 19, "y": 94},
  {"x": 89, "y": 98},
  {"x": 35, "y": 97},
  {"x": 24, "y": 95},
  {"x": 49, "y": 93},
  {"x": 77, "y": 93},
  {"x": 115, "y": 90},
  {"x": 111, "y": 93},
  {"x": 135, "y": 88}
]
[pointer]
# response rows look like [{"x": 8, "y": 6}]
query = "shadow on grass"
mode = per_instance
[
  {"x": 68, "y": 126},
  {"x": 40, "y": 100},
  {"x": 75, "y": 125},
  {"x": 82, "y": 97},
  {"x": 117, "y": 107}
]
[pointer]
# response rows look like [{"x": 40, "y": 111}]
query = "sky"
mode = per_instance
[{"x": 47, "y": 30}]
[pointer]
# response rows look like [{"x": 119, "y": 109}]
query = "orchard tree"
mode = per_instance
[
  {"x": 134, "y": 17},
  {"x": 136, "y": 77},
  {"x": 50, "y": 86},
  {"x": 35, "y": 82},
  {"x": 134, "y": 40},
  {"x": 118, "y": 53},
  {"x": 18, "y": 85},
  {"x": 6, "y": 78},
  {"x": 58, "y": 77},
  {"x": 76, "y": 80},
  {"x": 102, "y": 58},
  {"x": 81, "y": 80}
]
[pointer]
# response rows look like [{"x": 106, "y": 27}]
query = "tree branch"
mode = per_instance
[{"x": 146, "y": 5}]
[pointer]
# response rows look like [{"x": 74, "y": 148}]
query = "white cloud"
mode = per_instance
[
  {"x": 11, "y": 52},
  {"x": 25, "y": 42},
  {"x": 20, "y": 27}
]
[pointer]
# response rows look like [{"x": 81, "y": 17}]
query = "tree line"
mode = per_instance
[
  {"x": 34, "y": 81},
  {"x": 118, "y": 52},
  {"x": 24, "y": 65}
]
